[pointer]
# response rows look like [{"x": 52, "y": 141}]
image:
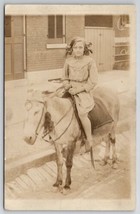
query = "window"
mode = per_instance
[
  {"x": 59, "y": 27},
  {"x": 56, "y": 29},
  {"x": 122, "y": 22},
  {"x": 98, "y": 21},
  {"x": 51, "y": 27}
]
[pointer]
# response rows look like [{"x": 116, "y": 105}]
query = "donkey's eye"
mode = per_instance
[{"x": 28, "y": 105}]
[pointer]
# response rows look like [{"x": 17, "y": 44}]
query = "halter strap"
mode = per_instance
[
  {"x": 38, "y": 101},
  {"x": 36, "y": 132}
]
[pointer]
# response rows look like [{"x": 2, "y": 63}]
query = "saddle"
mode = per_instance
[{"x": 98, "y": 116}]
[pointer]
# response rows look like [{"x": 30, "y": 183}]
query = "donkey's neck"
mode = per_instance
[{"x": 57, "y": 107}]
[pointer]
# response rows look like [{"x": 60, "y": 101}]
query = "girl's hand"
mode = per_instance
[
  {"x": 67, "y": 86},
  {"x": 74, "y": 91}
]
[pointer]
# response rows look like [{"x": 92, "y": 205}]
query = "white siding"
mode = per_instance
[{"x": 103, "y": 46}]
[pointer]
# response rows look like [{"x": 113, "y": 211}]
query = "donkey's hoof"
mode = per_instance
[
  {"x": 103, "y": 162},
  {"x": 66, "y": 190},
  {"x": 60, "y": 188},
  {"x": 114, "y": 166},
  {"x": 57, "y": 183},
  {"x": 55, "y": 189}
]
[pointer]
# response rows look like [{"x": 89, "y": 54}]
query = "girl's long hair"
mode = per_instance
[{"x": 87, "y": 46}]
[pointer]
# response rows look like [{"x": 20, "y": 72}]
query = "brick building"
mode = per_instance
[{"x": 37, "y": 43}]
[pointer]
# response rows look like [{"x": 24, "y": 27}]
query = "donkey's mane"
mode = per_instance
[{"x": 59, "y": 104}]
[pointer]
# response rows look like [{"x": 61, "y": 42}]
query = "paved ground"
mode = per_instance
[{"x": 102, "y": 183}]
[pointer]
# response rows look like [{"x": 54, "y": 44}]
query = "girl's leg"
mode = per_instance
[{"x": 87, "y": 128}]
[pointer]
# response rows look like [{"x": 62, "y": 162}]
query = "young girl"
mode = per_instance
[{"x": 79, "y": 78}]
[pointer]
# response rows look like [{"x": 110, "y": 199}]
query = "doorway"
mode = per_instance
[{"x": 14, "y": 47}]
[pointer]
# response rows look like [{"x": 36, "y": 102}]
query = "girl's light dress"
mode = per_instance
[{"x": 81, "y": 72}]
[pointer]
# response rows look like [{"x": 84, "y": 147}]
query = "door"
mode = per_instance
[
  {"x": 103, "y": 46},
  {"x": 14, "y": 48}
]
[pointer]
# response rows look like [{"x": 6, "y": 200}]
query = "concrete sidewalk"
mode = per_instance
[{"x": 17, "y": 152}]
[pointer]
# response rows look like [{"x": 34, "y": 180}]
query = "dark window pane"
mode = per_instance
[
  {"x": 7, "y": 26},
  {"x": 125, "y": 19},
  {"x": 51, "y": 27},
  {"x": 98, "y": 21},
  {"x": 59, "y": 26}
]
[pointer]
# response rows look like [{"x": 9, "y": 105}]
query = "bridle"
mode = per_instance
[{"x": 38, "y": 128}]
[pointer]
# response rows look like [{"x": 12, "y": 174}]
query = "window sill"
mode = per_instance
[{"x": 56, "y": 46}]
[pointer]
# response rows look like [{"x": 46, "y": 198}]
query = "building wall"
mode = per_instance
[
  {"x": 122, "y": 55},
  {"x": 39, "y": 57},
  {"x": 75, "y": 26}
]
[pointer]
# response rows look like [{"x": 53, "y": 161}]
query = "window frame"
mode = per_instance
[{"x": 53, "y": 42}]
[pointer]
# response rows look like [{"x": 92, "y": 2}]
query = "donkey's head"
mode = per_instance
[{"x": 35, "y": 114}]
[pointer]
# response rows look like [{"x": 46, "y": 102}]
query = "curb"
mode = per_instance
[{"x": 16, "y": 168}]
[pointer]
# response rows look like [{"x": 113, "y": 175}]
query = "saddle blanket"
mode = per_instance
[{"x": 99, "y": 115}]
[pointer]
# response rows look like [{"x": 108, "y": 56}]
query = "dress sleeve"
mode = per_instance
[
  {"x": 93, "y": 76},
  {"x": 65, "y": 73}
]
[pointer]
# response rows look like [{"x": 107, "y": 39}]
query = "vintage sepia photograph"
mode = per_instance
[{"x": 70, "y": 99}]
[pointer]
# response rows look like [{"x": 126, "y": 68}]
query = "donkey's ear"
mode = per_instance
[
  {"x": 36, "y": 94},
  {"x": 30, "y": 93}
]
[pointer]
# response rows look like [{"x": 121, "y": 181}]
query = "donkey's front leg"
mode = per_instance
[
  {"x": 69, "y": 162},
  {"x": 59, "y": 161}
]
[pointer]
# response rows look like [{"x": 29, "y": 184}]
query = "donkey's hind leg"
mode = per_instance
[
  {"x": 107, "y": 151},
  {"x": 113, "y": 144},
  {"x": 114, "y": 155}
]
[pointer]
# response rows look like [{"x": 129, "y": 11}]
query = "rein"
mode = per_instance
[{"x": 37, "y": 128}]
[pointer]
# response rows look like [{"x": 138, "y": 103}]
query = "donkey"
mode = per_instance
[{"x": 55, "y": 115}]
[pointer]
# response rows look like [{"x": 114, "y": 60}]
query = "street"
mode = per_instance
[{"x": 86, "y": 182}]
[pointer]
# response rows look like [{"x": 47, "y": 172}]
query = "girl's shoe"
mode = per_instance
[
  {"x": 85, "y": 146},
  {"x": 88, "y": 146}
]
